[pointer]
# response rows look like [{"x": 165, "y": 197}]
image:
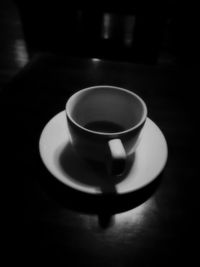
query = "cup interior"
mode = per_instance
[{"x": 108, "y": 104}]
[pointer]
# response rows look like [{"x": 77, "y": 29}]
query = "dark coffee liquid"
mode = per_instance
[{"x": 104, "y": 126}]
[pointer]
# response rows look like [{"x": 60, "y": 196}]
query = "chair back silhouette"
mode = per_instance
[{"x": 131, "y": 34}]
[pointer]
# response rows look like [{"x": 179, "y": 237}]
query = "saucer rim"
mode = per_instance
[{"x": 90, "y": 190}]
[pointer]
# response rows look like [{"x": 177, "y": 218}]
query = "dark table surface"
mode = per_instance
[{"x": 64, "y": 227}]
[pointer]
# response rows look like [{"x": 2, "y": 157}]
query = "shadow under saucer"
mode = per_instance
[
  {"x": 107, "y": 200},
  {"x": 104, "y": 204}
]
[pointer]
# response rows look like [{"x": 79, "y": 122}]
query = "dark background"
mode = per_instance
[{"x": 39, "y": 54}]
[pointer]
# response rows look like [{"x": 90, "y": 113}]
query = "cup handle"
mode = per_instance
[{"x": 118, "y": 157}]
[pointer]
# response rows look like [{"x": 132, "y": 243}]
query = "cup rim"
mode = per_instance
[{"x": 142, "y": 120}]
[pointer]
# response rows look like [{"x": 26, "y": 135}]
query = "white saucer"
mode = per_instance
[{"x": 59, "y": 158}]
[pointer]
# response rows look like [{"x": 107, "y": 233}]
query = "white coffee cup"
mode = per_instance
[{"x": 105, "y": 124}]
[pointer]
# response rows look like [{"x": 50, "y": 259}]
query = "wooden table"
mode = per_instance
[{"x": 64, "y": 227}]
